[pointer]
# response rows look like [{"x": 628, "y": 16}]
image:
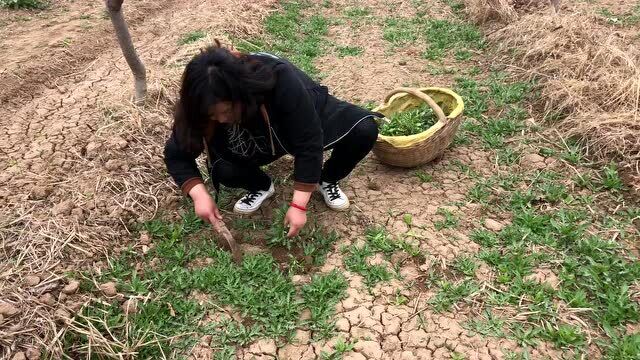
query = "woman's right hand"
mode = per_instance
[{"x": 204, "y": 205}]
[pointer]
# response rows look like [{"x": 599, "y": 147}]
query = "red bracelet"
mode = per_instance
[{"x": 294, "y": 205}]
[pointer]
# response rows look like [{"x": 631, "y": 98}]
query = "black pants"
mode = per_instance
[{"x": 347, "y": 153}]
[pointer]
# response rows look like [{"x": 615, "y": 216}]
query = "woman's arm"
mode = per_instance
[
  {"x": 203, "y": 204},
  {"x": 301, "y": 126},
  {"x": 301, "y": 198},
  {"x": 181, "y": 165}
]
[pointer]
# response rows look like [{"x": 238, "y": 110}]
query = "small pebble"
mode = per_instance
[
  {"x": 8, "y": 309},
  {"x": 33, "y": 354},
  {"x": 493, "y": 225},
  {"x": 109, "y": 289},
  {"x": 71, "y": 287},
  {"x": 62, "y": 315},
  {"x": 19, "y": 356},
  {"x": 144, "y": 238},
  {"x": 32, "y": 280},
  {"x": 130, "y": 306},
  {"x": 47, "y": 299},
  {"x": 206, "y": 340}
]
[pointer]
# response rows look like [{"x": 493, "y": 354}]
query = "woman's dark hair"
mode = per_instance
[{"x": 214, "y": 75}]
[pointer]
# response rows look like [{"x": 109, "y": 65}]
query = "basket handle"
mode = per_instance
[{"x": 422, "y": 96}]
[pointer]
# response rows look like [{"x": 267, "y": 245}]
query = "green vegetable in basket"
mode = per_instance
[{"x": 409, "y": 122}]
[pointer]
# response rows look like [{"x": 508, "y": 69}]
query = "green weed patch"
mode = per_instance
[{"x": 409, "y": 122}]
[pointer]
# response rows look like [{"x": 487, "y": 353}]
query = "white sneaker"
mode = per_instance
[
  {"x": 333, "y": 196},
  {"x": 252, "y": 201}
]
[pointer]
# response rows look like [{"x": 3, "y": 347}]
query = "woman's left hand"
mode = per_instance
[{"x": 295, "y": 219}]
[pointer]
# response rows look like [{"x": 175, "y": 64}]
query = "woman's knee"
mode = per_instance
[
  {"x": 366, "y": 132},
  {"x": 224, "y": 172},
  {"x": 235, "y": 175}
]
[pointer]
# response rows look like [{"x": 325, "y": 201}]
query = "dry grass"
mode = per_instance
[
  {"x": 107, "y": 344},
  {"x": 582, "y": 65},
  {"x": 482, "y": 11},
  {"x": 608, "y": 135},
  {"x": 588, "y": 74},
  {"x": 45, "y": 246}
]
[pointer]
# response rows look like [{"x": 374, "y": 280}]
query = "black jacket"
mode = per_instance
[{"x": 304, "y": 121}]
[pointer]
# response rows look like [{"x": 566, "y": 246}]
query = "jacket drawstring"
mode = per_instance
[
  {"x": 214, "y": 181},
  {"x": 265, "y": 115}
]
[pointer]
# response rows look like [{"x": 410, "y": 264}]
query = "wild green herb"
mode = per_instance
[
  {"x": 357, "y": 12},
  {"x": 611, "y": 179},
  {"x": 409, "y": 122},
  {"x": 564, "y": 336},
  {"x": 378, "y": 241},
  {"x": 23, "y": 4},
  {"x": 349, "y": 51},
  {"x": 423, "y": 176},
  {"x": 451, "y": 293},
  {"x": 401, "y": 31},
  {"x": 314, "y": 240},
  {"x": 444, "y": 35},
  {"x": 321, "y": 297},
  {"x": 449, "y": 221},
  {"x": 192, "y": 37},
  {"x": 480, "y": 192},
  {"x": 465, "y": 265},
  {"x": 356, "y": 260},
  {"x": 340, "y": 348},
  {"x": 293, "y": 34},
  {"x": 487, "y": 324},
  {"x": 629, "y": 18},
  {"x": 265, "y": 296},
  {"x": 623, "y": 347}
]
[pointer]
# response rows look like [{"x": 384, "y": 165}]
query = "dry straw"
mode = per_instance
[
  {"x": 482, "y": 11},
  {"x": 587, "y": 72}
]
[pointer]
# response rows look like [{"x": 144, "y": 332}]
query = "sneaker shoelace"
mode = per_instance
[
  {"x": 333, "y": 191},
  {"x": 250, "y": 197}
]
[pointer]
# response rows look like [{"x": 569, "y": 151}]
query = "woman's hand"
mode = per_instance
[
  {"x": 204, "y": 205},
  {"x": 295, "y": 219}
]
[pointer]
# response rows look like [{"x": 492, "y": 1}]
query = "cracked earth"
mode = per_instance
[{"x": 80, "y": 166}]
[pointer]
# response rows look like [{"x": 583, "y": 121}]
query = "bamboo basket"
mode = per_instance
[{"x": 418, "y": 149}]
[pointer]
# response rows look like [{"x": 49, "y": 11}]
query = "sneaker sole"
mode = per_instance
[
  {"x": 248, "y": 212},
  {"x": 344, "y": 207}
]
